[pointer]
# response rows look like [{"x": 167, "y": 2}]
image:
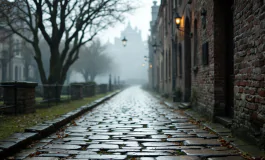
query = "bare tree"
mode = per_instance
[
  {"x": 74, "y": 22},
  {"x": 93, "y": 61}
]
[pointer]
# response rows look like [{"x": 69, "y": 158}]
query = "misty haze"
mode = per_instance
[{"x": 132, "y": 79}]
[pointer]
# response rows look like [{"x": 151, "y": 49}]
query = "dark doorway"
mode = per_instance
[
  {"x": 229, "y": 58},
  {"x": 224, "y": 57},
  {"x": 187, "y": 62}
]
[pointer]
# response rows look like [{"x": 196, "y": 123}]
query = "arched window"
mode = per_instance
[
  {"x": 16, "y": 73},
  {"x": 195, "y": 49},
  {"x": 169, "y": 61}
]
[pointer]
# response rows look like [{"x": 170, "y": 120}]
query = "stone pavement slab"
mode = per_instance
[
  {"x": 177, "y": 158},
  {"x": 42, "y": 158},
  {"x": 209, "y": 153},
  {"x": 159, "y": 144},
  {"x": 227, "y": 158},
  {"x": 139, "y": 154},
  {"x": 101, "y": 157},
  {"x": 62, "y": 146},
  {"x": 132, "y": 125},
  {"x": 103, "y": 146},
  {"x": 202, "y": 142}
]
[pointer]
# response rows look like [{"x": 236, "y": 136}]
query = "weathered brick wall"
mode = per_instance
[
  {"x": 21, "y": 96},
  {"x": 76, "y": 91},
  {"x": 203, "y": 79},
  {"x": 249, "y": 28}
]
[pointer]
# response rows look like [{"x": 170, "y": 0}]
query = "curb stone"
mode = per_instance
[
  {"x": 18, "y": 141},
  {"x": 226, "y": 134},
  {"x": 192, "y": 114}
]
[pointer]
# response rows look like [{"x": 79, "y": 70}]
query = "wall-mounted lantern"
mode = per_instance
[
  {"x": 150, "y": 66},
  {"x": 155, "y": 46},
  {"x": 177, "y": 20}
]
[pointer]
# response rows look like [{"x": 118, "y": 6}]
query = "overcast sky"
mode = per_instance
[{"x": 139, "y": 18}]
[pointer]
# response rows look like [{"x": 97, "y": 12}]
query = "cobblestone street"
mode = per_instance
[{"x": 132, "y": 125}]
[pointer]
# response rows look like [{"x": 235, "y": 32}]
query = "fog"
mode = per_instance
[{"x": 128, "y": 60}]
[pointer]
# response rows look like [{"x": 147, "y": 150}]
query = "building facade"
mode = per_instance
[
  {"x": 216, "y": 60},
  {"x": 16, "y": 58},
  {"x": 129, "y": 60}
]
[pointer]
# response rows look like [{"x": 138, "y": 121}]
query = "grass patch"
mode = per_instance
[
  {"x": 179, "y": 153},
  {"x": 10, "y": 124}
]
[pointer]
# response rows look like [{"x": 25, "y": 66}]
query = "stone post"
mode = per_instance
[
  {"x": 110, "y": 85},
  {"x": 115, "y": 83},
  {"x": 103, "y": 88},
  {"x": 20, "y": 96},
  {"x": 76, "y": 91},
  {"x": 119, "y": 82}
]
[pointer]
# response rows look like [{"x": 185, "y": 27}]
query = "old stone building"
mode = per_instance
[
  {"x": 218, "y": 57},
  {"x": 128, "y": 59},
  {"x": 16, "y": 59}
]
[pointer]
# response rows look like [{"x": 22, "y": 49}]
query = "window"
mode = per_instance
[
  {"x": 180, "y": 2},
  {"x": 17, "y": 47},
  {"x": 170, "y": 64},
  {"x": 180, "y": 59},
  {"x": 195, "y": 50},
  {"x": 166, "y": 65},
  {"x": 19, "y": 73},
  {"x": 16, "y": 73},
  {"x": 205, "y": 53},
  {"x": 175, "y": 4},
  {"x": 176, "y": 59},
  {"x": 23, "y": 71}
]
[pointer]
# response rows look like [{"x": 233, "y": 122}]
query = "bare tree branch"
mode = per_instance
[{"x": 72, "y": 23}]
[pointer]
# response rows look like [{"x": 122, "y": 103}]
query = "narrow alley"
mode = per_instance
[{"x": 131, "y": 125}]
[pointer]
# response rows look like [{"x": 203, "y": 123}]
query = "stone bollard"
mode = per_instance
[
  {"x": 20, "y": 95},
  {"x": 103, "y": 88},
  {"x": 76, "y": 91}
]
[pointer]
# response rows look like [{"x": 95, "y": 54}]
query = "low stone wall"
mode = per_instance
[
  {"x": 19, "y": 97},
  {"x": 103, "y": 88},
  {"x": 76, "y": 91}
]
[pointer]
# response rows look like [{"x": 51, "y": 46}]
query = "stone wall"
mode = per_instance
[
  {"x": 76, "y": 91},
  {"x": 249, "y": 27},
  {"x": 20, "y": 95},
  {"x": 203, "y": 77}
]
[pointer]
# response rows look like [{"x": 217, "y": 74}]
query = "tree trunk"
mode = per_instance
[
  {"x": 85, "y": 75},
  {"x": 53, "y": 87},
  {"x": 92, "y": 77},
  {"x": 68, "y": 76}
]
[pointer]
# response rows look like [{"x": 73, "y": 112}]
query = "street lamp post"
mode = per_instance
[{"x": 124, "y": 41}]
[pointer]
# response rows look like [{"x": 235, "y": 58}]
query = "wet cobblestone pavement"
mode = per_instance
[{"x": 132, "y": 125}]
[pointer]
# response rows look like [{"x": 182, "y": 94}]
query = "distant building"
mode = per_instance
[
  {"x": 16, "y": 63},
  {"x": 154, "y": 71},
  {"x": 129, "y": 59}
]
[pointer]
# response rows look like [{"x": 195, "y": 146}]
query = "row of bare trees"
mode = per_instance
[
  {"x": 93, "y": 61},
  {"x": 66, "y": 26}
]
